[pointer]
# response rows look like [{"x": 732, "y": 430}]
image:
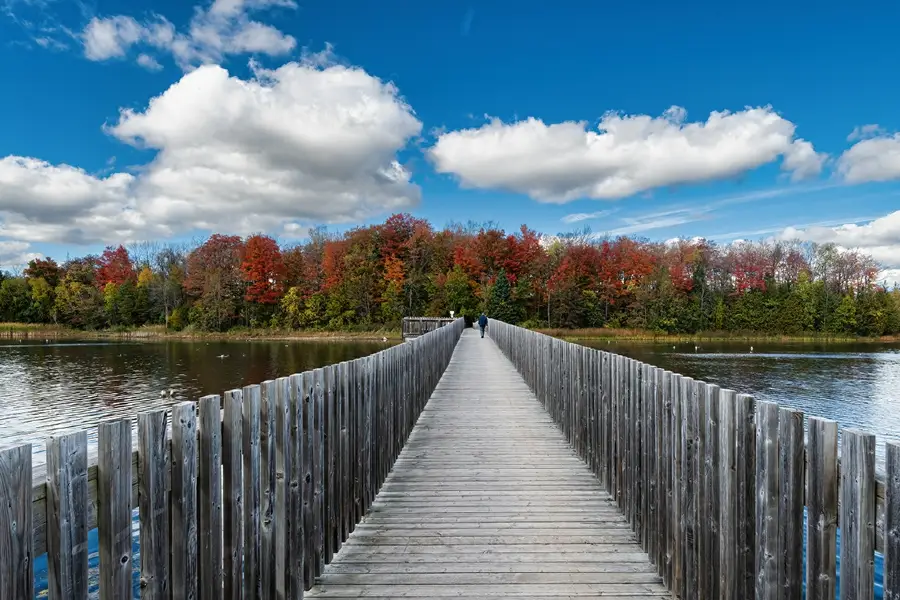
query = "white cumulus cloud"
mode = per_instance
[
  {"x": 625, "y": 155},
  {"x": 876, "y": 157},
  {"x": 224, "y": 28},
  {"x": 14, "y": 254},
  {"x": 880, "y": 238},
  {"x": 298, "y": 144}
]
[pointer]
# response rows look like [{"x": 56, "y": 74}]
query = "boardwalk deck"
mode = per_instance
[{"x": 487, "y": 499}]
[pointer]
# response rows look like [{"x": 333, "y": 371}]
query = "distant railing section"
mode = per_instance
[
  {"x": 250, "y": 495},
  {"x": 714, "y": 483},
  {"x": 413, "y": 327}
]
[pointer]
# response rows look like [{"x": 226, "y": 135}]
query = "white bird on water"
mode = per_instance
[
  {"x": 222, "y": 356},
  {"x": 383, "y": 339},
  {"x": 751, "y": 348}
]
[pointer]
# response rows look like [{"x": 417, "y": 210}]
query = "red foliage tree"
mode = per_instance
[
  {"x": 45, "y": 268},
  {"x": 263, "y": 270},
  {"x": 115, "y": 267},
  {"x": 215, "y": 265}
]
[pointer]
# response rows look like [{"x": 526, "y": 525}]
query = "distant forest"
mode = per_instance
[{"x": 371, "y": 277}]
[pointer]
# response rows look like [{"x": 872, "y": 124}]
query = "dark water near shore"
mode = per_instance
[{"x": 61, "y": 386}]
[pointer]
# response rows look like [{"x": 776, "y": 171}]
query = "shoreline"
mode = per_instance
[
  {"x": 634, "y": 335},
  {"x": 24, "y": 332}
]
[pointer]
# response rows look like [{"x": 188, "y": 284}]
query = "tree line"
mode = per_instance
[{"x": 372, "y": 276}]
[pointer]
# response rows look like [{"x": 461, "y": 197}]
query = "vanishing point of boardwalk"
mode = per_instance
[{"x": 487, "y": 499}]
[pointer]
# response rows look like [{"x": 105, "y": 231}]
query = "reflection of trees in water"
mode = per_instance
[{"x": 59, "y": 387}]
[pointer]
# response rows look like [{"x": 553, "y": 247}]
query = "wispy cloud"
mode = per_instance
[
  {"x": 782, "y": 227},
  {"x": 683, "y": 213},
  {"x": 467, "y": 22},
  {"x": 578, "y": 217}
]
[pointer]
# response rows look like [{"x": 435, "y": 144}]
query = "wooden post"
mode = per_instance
[
  {"x": 728, "y": 539},
  {"x": 691, "y": 486},
  {"x": 892, "y": 523},
  {"x": 232, "y": 499},
  {"x": 822, "y": 507},
  {"x": 790, "y": 507},
  {"x": 745, "y": 474},
  {"x": 184, "y": 502},
  {"x": 17, "y": 573},
  {"x": 252, "y": 465},
  {"x": 857, "y": 517},
  {"x": 767, "y": 501},
  {"x": 710, "y": 498},
  {"x": 153, "y": 475},
  {"x": 209, "y": 565},
  {"x": 67, "y": 510},
  {"x": 114, "y": 508},
  {"x": 267, "y": 442}
]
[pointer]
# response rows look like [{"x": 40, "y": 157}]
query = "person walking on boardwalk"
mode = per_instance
[{"x": 482, "y": 323}]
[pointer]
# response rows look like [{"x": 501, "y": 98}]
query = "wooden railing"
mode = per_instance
[
  {"x": 413, "y": 327},
  {"x": 252, "y": 498},
  {"x": 714, "y": 483}
]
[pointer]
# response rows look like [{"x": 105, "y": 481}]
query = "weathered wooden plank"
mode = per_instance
[
  {"x": 307, "y": 397},
  {"x": 209, "y": 564},
  {"x": 710, "y": 485},
  {"x": 822, "y": 507},
  {"x": 232, "y": 501},
  {"x": 319, "y": 469},
  {"x": 268, "y": 474},
  {"x": 665, "y": 472},
  {"x": 184, "y": 502},
  {"x": 153, "y": 475},
  {"x": 745, "y": 481},
  {"x": 331, "y": 439},
  {"x": 857, "y": 515},
  {"x": 252, "y": 474},
  {"x": 16, "y": 555},
  {"x": 691, "y": 486},
  {"x": 727, "y": 494},
  {"x": 67, "y": 535},
  {"x": 346, "y": 514},
  {"x": 767, "y": 501},
  {"x": 790, "y": 506},
  {"x": 892, "y": 523},
  {"x": 114, "y": 510},
  {"x": 677, "y": 521}
]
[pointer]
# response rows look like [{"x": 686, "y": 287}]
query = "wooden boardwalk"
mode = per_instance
[{"x": 487, "y": 499}]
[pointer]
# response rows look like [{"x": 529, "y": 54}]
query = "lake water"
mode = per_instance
[{"x": 58, "y": 387}]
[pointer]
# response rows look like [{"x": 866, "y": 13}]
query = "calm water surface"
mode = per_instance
[
  {"x": 856, "y": 384},
  {"x": 57, "y": 387}
]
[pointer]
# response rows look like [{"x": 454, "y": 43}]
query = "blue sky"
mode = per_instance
[{"x": 274, "y": 115}]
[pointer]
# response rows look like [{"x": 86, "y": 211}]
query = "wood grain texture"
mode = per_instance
[
  {"x": 153, "y": 478},
  {"x": 67, "y": 536},
  {"x": 892, "y": 523},
  {"x": 183, "y": 532},
  {"x": 114, "y": 510},
  {"x": 857, "y": 515},
  {"x": 209, "y": 566},
  {"x": 16, "y": 555},
  {"x": 822, "y": 509},
  {"x": 252, "y": 468},
  {"x": 232, "y": 501}
]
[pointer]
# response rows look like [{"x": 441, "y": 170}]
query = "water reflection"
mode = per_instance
[
  {"x": 57, "y": 387},
  {"x": 857, "y": 385}
]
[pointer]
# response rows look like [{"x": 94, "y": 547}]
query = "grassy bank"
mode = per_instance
[
  {"x": 157, "y": 332},
  {"x": 638, "y": 335}
]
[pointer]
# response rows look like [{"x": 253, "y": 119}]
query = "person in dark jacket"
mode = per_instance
[{"x": 482, "y": 323}]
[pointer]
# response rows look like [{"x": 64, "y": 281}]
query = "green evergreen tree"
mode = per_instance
[{"x": 501, "y": 305}]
